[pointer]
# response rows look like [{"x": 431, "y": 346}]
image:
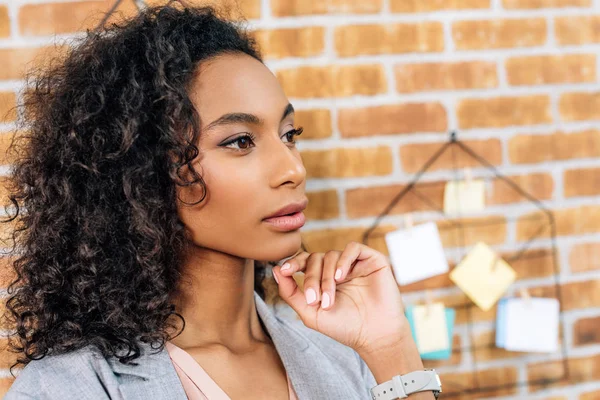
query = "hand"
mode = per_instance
[{"x": 361, "y": 308}]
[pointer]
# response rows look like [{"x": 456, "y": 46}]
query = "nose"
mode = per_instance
[{"x": 287, "y": 167}]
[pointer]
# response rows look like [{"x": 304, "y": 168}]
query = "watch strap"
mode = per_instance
[{"x": 400, "y": 386}]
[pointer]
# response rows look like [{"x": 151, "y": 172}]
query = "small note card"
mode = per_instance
[
  {"x": 430, "y": 328},
  {"x": 483, "y": 276},
  {"x": 416, "y": 253},
  {"x": 440, "y": 354},
  {"x": 464, "y": 196},
  {"x": 529, "y": 325}
]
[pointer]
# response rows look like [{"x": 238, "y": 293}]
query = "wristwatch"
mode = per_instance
[{"x": 400, "y": 386}]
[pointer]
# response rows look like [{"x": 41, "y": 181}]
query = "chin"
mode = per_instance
[{"x": 280, "y": 248}]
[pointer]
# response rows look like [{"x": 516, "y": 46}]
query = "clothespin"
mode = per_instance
[
  {"x": 524, "y": 293},
  {"x": 428, "y": 302}
]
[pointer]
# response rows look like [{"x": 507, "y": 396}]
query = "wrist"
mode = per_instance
[{"x": 397, "y": 358}]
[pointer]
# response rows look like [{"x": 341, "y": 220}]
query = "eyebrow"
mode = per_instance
[{"x": 233, "y": 118}]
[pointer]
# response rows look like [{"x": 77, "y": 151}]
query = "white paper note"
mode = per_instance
[
  {"x": 531, "y": 325},
  {"x": 416, "y": 253},
  {"x": 464, "y": 196},
  {"x": 431, "y": 329}
]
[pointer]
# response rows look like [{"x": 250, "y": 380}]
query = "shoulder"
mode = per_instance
[{"x": 76, "y": 374}]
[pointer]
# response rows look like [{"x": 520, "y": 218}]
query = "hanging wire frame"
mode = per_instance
[{"x": 452, "y": 388}]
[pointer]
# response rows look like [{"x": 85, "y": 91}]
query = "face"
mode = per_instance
[{"x": 249, "y": 162}]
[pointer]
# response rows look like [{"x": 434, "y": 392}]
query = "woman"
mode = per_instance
[{"x": 161, "y": 178}]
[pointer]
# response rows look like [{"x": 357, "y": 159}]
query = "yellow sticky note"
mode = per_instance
[
  {"x": 464, "y": 196},
  {"x": 430, "y": 327},
  {"x": 483, "y": 276}
]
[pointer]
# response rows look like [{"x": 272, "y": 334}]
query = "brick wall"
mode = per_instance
[{"x": 378, "y": 84}]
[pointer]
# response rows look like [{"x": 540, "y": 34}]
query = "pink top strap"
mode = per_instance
[{"x": 198, "y": 385}]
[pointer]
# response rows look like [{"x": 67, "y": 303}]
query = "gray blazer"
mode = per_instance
[{"x": 318, "y": 368}]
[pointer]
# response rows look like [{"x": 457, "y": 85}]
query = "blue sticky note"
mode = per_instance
[
  {"x": 439, "y": 354},
  {"x": 501, "y": 323}
]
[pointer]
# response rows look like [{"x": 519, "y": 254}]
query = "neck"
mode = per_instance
[{"x": 216, "y": 299}]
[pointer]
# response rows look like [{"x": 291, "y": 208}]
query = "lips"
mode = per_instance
[
  {"x": 290, "y": 209},
  {"x": 288, "y": 218}
]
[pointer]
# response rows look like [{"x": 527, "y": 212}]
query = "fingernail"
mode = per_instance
[
  {"x": 275, "y": 276},
  {"x": 285, "y": 266},
  {"x": 311, "y": 295},
  {"x": 338, "y": 274},
  {"x": 325, "y": 300}
]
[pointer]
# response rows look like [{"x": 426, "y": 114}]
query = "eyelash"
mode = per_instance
[{"x": 248, "y": 135}]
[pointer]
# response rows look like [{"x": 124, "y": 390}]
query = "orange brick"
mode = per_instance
[
  {"x": 414, "y": 156},
  {"x": 540, "y": 186},
  {"x": 353, "y": 40},
  {"x": 284, "y": 8},
  {"x": 8, "y": 101},
  {"x": 371, "y": 201},
  {"x": 580, "y": 370},
  {"x": 468, "y": 231},
  {"x": 4, "y": 22},
  {"x": 392, "y": 119},
  {"x": 585, "y": 331},
  {"x": 582, "y": 182},
  {"x": 544, "y": 3},
  {"x": 7, "y": 273},
  {"x": 503, "y": 111},
  {"x": 527, "y": 149},
  {"x": 584, "y": 257},
  {"x": 333, "y": 80},
  {"x": 16, "y": 61},
  {"x": 316, "y": 123},
  {"x": 461, "y": 384},
  {"x": 322, "y": 205},
  {"x": 595, "y": 395},
  {"x": 579, "y": 106},
  {"x": 499, "y": 33},
  {"x": 445, "y": 76},
  {"x": 6, "y": 157},
  {"x": 574, "y": 295},
  {"x": 348, "y": 162},
  {"x": 579, "y": 29},
  {"x": 407, "y": 6},
  {"x": 570, "y": 221},
  {"x": 536, "y": 263},
  {"x": 232, "y": 9},
  {"x": 291, "y": 42},
  {"x": 337, "y": 239},
  {"x": 5, "y": 384},
  {"x": 537, "y": 70},
  {"x": 7, "y": 358}
]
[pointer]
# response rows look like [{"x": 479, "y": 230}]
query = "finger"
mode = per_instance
[
  {"x": 328, "y": 285},
  {"x": 354, "y": 252},
  {"x": 290, "y": 292},
  {"x": 295, "y": 264},
  {"x": 312, "y": 278}
]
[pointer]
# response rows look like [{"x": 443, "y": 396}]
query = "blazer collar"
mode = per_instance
[{"x": 306, "y": 365}]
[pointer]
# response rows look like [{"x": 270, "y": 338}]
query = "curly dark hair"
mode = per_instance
[{"x": 107, "y": 131}]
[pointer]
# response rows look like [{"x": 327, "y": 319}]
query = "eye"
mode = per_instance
[
  {"x": 294, "y": 132},
  {"x": 243, "y": 141}
]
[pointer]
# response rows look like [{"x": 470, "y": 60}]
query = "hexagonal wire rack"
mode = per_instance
[{"x": 547, "y": 217}]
